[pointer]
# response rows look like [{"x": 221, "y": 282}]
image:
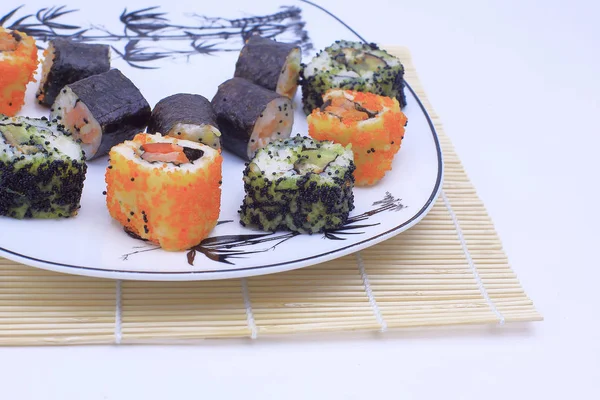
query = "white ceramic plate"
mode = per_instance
[{"x": 95, "y": 245}]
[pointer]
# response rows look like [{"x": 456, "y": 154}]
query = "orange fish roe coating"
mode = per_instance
[
  {"x": 173, "y": 206},
  {"x": 372, "y": 124},
  {"x": 18, "y": 63}
]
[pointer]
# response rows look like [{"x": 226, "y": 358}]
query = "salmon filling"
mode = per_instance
[
  {"x": 347, "y": 109},
  {"x": 165, "y": 152},
  {"x": 169, "y": 153}
]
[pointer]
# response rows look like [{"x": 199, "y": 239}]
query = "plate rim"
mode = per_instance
[{"x": 249, "y": 271}]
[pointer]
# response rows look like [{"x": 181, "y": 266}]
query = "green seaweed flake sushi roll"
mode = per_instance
[
  {"x": 42, "y": 169},
  {"x": 352, "y": 66},
  {"x": 298, "y": 184}
]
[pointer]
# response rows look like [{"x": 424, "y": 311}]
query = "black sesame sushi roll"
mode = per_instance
[
  {"x": 42, "y": 169},
  {"x": 270, "y": 64},
  {"x": 250, "y": 116},
  {"x": 101, "y": 111},
  {"x": 299, "y": 184},
  {"x": 67, "y": 61},
  {"x": 186, "y": 116},
  {"x": 352, "y": 66}
]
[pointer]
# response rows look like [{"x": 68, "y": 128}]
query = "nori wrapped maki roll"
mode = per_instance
[
  {"x": 352, "y": 66},
  {"x": 250, "y": 116},
  {"x": 67, "y": 61},
  {"x": 270, "y": 64},
  {"x": 102, "y": 111},
  {"x": 42, "y": 169},
  {"x": 300, "y": 185},
  {"x": 186, "y": 116}
]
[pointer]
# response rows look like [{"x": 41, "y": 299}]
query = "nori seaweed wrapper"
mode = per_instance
[
  {"x": 116, "y": 104},
  {"x": 181, "y": 108},
  {"x": 72, "y": 62},
  {"x": 261, "y": 61},
  {"x": 238, "y": 104}
]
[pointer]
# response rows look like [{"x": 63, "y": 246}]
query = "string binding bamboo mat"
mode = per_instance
[{"x": 450, "y": 269}]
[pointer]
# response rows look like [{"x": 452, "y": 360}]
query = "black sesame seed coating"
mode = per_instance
[
  {"x": 305, "y": 203},
  {"x": 386, "y": 81},
  {"x": 42, "y": 184}
]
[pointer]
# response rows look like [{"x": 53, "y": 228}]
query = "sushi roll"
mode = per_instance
[
  {"x": 42, "y": 169},
  {"x": 300, "y": 185},
  {"x": 65, "y": 62},
  {"x": 164, "y": 190},
  {"x": 353, "y": 66},
  {"x": 372, "y": 124},
  {"x": 18, "y": 63},
  {"x": 101, "y": 111},
  {"x": 270, "y": 64},
  {"x": 250, "y": 116},
  {"x": 186, "y": 116}
]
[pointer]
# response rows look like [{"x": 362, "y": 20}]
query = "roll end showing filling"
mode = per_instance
[
  {"x": 165, "y": 190},
  {"x": 275, "y": 122},
  {"x": 71, "y": 112},
  {"x": 372, "y": 124},
  {"x": 46, "y": 67},
  {"x": 287, "y": 84}
]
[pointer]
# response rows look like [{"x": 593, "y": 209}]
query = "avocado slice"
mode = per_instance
[
  {"x": 314, "y": 160},
  {"x": 15, "y": 135},
  {"x": 367, "y": 62}
]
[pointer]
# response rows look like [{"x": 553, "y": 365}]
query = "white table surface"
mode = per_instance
[{"x": 516, "y": 85}]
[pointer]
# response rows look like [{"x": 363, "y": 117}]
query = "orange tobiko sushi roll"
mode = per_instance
[
  {"x": 165, "y": 190},
  {"x": 18, "y": 63},
  {"x": 372, "y": 124}
]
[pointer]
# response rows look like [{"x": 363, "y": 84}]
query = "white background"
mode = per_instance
[{"x": 516, "y": 86}]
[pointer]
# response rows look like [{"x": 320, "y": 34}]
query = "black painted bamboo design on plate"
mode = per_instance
[
  {"x": 150, "y": 36},
  {"x": 225, "y": 248}
]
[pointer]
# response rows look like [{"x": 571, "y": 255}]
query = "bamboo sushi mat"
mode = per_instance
[{"x": 449, "y": 269}]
